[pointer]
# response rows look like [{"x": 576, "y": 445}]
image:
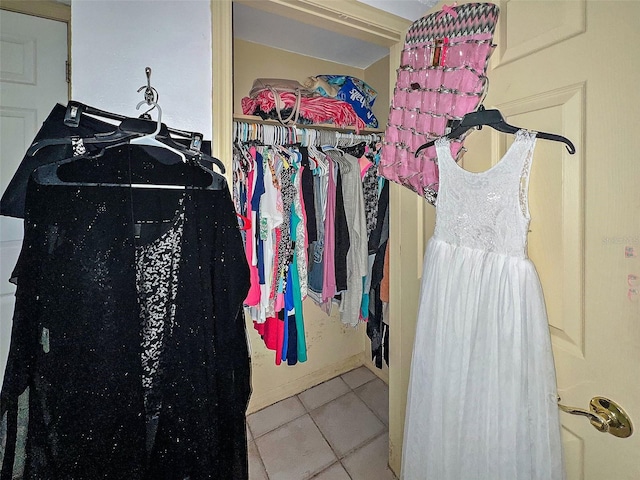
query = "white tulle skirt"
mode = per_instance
[{"x": 482, "y": 401}]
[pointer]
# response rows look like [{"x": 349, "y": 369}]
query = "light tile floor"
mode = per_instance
[{"x": 337, "y": 430}]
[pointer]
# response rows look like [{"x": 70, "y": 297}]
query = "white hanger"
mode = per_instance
[
  {"x": 151, "y": 140},
  {"x": 323, "y": 162}
]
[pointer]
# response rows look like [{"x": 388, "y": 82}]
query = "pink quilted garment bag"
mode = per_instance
[{"x": 440, "y": 79}]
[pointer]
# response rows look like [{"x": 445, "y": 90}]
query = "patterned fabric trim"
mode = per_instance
[
  {"x": 157, "y": 268},
  {"x": 77, "y": 146},
  {"x": 472, "y": 19}
]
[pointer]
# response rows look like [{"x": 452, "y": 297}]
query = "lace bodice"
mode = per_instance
[{"x": 486, "y": 210}]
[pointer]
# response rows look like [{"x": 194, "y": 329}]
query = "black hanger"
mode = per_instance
[
  {"x": 495, "y": 120},
  {"x": 188, "y": 172},
  {"x": 166, "y": 142},
  {"x": 128, "y": 127},
  {"x": 75, "y": 110},
  {"x": 128, "y": 130},
  {"x": 102, "y": 139},
  {"x": 193, "y": 174}
]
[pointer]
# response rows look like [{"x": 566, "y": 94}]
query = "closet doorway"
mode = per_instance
[
  {"x": 333, "y": 348},
  {"x": 336, "y": 353},
  {"x": 251, "y": 59},
  {"x": 33, "y": 76}
]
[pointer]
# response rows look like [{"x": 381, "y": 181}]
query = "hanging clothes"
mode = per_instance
[
  {"x": 342, "y": 243},
  {"x": 482, "y": 337},
  {"x": 317, "y": 248},
  {"x": 329, "y": 257},
  {"x": 329, "y": 203},
  {"x": 128, "y": 336},
  {"x": 377, "y": 328},
  {"x": 13, "y": 198},
  {"x": 356, "y": 257}
]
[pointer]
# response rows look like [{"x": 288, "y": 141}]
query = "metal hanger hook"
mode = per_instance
[{"x": 150, "y": 94}]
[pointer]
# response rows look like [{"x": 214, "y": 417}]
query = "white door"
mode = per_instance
[
  {"x": 33, "y": 79},
  {"x": 572, "y": 68}
]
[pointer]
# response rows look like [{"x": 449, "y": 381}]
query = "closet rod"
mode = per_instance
[{"x": 315, "y": 126}]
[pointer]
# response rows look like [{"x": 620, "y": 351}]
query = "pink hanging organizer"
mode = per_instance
[{"x": 440, "y": 79}]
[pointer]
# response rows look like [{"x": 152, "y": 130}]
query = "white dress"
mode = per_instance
[{"x": 482, "y": 401}]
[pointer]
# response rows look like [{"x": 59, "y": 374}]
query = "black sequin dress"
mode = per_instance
[{"x": 128, "y": 347}]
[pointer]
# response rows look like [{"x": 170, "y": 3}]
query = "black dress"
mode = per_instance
[{"x": 116, "y": 391}]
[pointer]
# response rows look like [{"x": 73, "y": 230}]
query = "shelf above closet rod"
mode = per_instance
[{"x": 316, "y": 126}]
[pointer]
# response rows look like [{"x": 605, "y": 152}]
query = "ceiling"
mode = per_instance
[
  {"x": 409, "y": 9},
  {"x": 279, "y": 32},
  {"x": 269, "y": 29}
]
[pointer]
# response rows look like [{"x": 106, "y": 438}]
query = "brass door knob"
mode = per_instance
[{"x": 605, "y": 415}]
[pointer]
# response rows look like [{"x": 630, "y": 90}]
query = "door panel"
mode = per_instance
[
  {"x": 553, "y": 72},
  {"x": 33, "y": 79},
  {"x": 520, "y": 36},
  {"x": 556, "y": 203},
  {"x": 570, "y": 67}
]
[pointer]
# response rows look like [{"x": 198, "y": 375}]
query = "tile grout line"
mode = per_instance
[
  {"x": 308, "y": 411},
  {"x": 377, "y": 416},
  {"x": 279, "y": 426},
  {"x": 264, "y": 467},
  {"x": 338, "y": 458},
  {"x": 365, "y": 444},
  {"x": 334, "y": 463},
  {"x": 355, "y": 449},
  {"x": 386, "y": 431},
  {"x": 253, "y": 440}
]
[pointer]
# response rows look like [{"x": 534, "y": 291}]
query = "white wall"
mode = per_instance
[
  {"x": 114, "y": 40},
  {"x": 173, "y": 37}
]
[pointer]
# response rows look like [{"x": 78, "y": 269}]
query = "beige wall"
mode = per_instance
[
  {"x": 252, "y": 60},
  {"x": 377, "y": 75},
  {"x": 332, "y": 348}
]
